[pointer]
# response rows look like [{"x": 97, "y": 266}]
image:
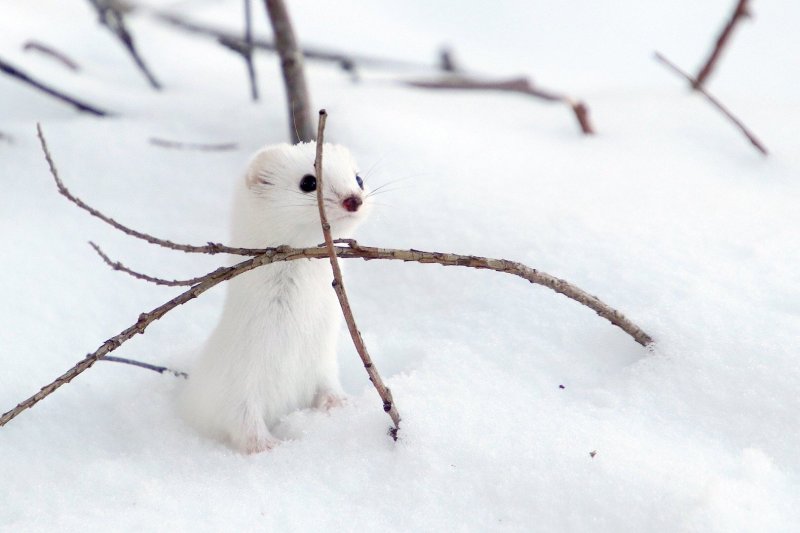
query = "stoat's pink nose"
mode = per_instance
[{"x": 352, "y": 203}]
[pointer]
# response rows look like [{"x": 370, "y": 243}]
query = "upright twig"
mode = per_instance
[
  {"x": 740, "y": 12},
  {"x": 294, "y": 79},
  {"x": 110, "y": 14},
  {"x": 13, "y": 71},
  {"x": 341, "y": 294},
  {"x": 520, "y": 85},
  {"x": 248, "y": 56},
  {"x": 716, "y": 103}
]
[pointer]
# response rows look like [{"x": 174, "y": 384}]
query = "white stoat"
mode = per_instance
[{"x": 273, "y": 350}]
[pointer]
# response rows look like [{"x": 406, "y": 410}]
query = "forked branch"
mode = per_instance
[
  {"x": 716, "y": 103},
  {"x": 283, "y": 253}
]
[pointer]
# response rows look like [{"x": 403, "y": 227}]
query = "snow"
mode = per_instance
[{"x": 667, "y": 214}]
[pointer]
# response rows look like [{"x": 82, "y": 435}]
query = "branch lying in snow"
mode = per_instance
[
  {"x": 13, "y": 71},
  {"x": 739, "y": 12},
  {"x": 51, "y": 52},
  {"x": 341, "y": 294},
  {"x": 110, "y": 13},
  {"x": 517, "y": 85},
  {"x": 716, "y": 103},
  {"x": 284, "y": 253}
]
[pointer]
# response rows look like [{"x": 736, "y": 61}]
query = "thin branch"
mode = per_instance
[
  {"x": 294, "y": 79},
  {"x": 145, "y": 319},
  {"x": 341, "y": 294},
  {"x": 111, "y": 15},
  {"x": 716, "y": 103},
  {"x": 210, "y": 248},
  {"x": 77, "y": 104},
  {"x": 148, "y": 366},
  {"x": 116, "y": 265},
  {"x": 520, "y": 85},
  {"x": 248, "y": 56},
  {"x": 51, "y": 52},
  {"x": 740, "y": 12},
  {"x": 204, "y": 147}
]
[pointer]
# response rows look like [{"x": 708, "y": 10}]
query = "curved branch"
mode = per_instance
[{"x": 353, "y": 250}]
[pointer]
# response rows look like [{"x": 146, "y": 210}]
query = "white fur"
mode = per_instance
[{"x": 273, "y": 350}]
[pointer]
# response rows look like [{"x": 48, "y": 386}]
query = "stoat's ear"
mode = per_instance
[{"x": 266, "y": 163}]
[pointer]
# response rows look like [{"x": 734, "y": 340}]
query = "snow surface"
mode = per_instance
[{"x": 667, "y": 214}]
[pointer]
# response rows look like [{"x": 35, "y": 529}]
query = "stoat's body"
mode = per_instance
[{"x": 273, "y": 350}]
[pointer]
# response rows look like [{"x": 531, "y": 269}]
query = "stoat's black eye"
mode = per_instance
[
  {"x": 360, "y": 182},
  {"x": 308, "y": 183}
]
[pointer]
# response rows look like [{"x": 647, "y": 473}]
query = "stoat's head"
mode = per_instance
[{"x": 278, "y": 202}]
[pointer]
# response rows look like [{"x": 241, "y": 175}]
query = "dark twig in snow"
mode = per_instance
[
  {"x": 716, "y": 103},
  {"x": 110, "y": 13},
  {"x": 148, "y": 366},
  {"x": 341, "y": 294},
  {"x": 51, "y": 52},
  {"x": 204, "y": 147},
  {"x": 740, "y": 12},
  {"x": 520, "y": 85},
  {"x": 294, "y": 79},
  {"x": 77, "y": 104},
  {"x": 248, "y": 54}
]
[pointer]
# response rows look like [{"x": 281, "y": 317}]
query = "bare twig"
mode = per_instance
[
  {"x": 148, "y": 366},
  {"x": 205, "y": 147},
  {"x": 116, "y": 265},
  {"x": 145, "y": 319},
  {"x": 111, "y": 15},
  {"x": 11, "y": 70},
  {"x": 210, "y": 248},
  {"x": 51, "y": 52},
  {"x": 520, "y": 85},
  {"x": 740, "y": 11},
  {"x": 716, "y": 103},
  {"x": 294, "y": 79},
  {"x": 248, "y": 56},
  {"x": 341, "y": 294}
]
